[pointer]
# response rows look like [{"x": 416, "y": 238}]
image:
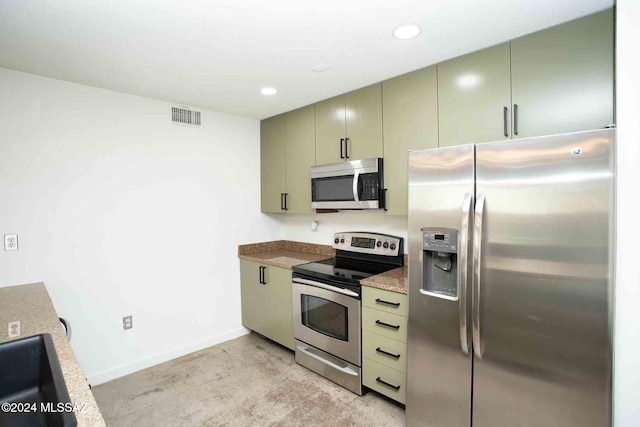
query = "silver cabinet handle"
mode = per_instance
[
  {"x": 356, "y": 177},
  {"x": 515, "y": 119},
  {"x": 463, "y": 278},
  {"x": 477, "y": 260},
  {"x": 324, "y": 286}
]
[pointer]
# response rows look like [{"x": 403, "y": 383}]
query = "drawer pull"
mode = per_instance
[
  {"x": 381, "y": 301},
  {"x": 381, "y": 381},
  {"x": 387, "y": 325},
  {"x": 379, "y": 350}
]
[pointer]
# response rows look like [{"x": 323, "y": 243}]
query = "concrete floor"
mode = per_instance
[{"x": 248, "y": 381}]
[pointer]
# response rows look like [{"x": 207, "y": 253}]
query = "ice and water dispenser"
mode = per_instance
[{"x": 440, "y": 262}]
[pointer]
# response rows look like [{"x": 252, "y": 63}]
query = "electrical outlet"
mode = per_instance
[
  {"x": 14, "y": 329},
  {"x": 127, "y": 322},
  {"x": 10, "y": 242}
]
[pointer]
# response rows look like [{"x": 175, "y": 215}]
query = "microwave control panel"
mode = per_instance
[
  {"x": 370, "y": 186},
  {"x": 370, "y": 243}
]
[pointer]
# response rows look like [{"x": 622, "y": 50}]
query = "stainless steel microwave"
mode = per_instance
[{"x": 358, "y": 184}]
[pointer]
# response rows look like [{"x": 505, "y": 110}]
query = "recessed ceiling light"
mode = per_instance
[
  {"x": 268, "y": 91},
  {"x": 407, "y": 31}
]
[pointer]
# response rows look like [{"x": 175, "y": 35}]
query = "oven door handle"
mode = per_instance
[{"x": 325, "y": 286}]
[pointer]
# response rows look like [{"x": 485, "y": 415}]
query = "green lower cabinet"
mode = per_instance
[
  {"x": 384, "y": 380},
  {"x": 383, "y": 350},
  {"x": 267, "y": 306},
  {"x": 384, "y": 343}
]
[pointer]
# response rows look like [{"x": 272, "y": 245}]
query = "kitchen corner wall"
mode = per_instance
[
  {"x": 626, "y": 392},
  {"x": 298, "y": 227},
  {"x": 121, "y": 212}
]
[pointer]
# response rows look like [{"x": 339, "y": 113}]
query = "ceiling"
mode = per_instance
[{"x": 217, "y": 54}]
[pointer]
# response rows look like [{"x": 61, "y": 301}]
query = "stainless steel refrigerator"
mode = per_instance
[{"x": 511, "y": 283}]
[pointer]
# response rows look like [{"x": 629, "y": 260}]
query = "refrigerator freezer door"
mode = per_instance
[
  {"x": 438, "y": 370},
  {"x": 546, "y": 271}
]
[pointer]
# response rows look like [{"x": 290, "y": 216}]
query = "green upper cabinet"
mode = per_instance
[
  {"x": 287, "y": 152},
  {"x": 364, "y": 123},
  {"x": 410, "y": 122},
  {"x": 562, "y": 77},
  {"x": 349, "y": 127},
  {"x": 300, "y": 156},
  {"x": 474, "y": 96},
  {"x": 272, "y": 162},
  {"x": 553, "y": 81},
  {"x": 330, "y": 130}
]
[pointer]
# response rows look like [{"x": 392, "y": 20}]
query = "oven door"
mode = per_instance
[{"x": 327, "y": 319}]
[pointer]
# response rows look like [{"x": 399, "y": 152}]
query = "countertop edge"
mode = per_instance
[{"x": 31, "y": 304}]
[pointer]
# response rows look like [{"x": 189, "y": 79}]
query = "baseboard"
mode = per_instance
[{"x": 138, "y": 365}]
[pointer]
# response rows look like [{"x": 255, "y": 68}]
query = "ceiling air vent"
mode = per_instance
[{"x": 185, "y": 116}]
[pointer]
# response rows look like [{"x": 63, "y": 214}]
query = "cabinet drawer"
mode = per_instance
[
  {"x": 384, "y": 351},
  {"x": 384, "y": 380},
  {"x": 385, "y": 324},
  {"x": 391, "y": 302}
]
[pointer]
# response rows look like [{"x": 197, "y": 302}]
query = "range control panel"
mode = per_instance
[
  {"x": 370, "y": 243},
  {"x": 440, "y": 240}
]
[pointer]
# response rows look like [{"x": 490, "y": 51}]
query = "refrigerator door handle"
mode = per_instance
[
  {"x": 477, "y": 260},
  {"x": 463, "y": 278}
]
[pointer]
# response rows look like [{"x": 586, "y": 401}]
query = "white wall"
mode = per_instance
[
  {"x": 121, "y": 212},
  {"x": 627, "y": 322},
  {"x": 298, "y": 227}
]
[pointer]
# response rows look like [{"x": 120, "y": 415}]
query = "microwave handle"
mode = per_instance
[{"x": 356, "y": 180}]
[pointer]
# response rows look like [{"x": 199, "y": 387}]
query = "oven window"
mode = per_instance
[
  {"x": 325, "y": 316},
  {"x": 334, "y": 189}
]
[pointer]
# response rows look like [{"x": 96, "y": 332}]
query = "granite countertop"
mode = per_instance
[
  {"x": 31, "y": 305},
  {"x": 285, "y": 253},
  {"x": 393, "y": 280}
]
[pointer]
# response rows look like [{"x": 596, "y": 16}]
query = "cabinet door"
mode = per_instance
[
  {"x": 473, "y": 91},
  {"x": 300, "y": 143},
  {"x": 410, "y": 122},
  {"x": 562, "y": 78},
  {"x": 330, "y": 117},
  {"x": 278, "y": 306},
  {"x": 272, "y": 162},
  {"x": 363, "y": 114},
  {"x": 252, "y": 294}
]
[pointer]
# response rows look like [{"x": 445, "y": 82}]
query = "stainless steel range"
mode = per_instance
[{"x": 326, "y": 304}]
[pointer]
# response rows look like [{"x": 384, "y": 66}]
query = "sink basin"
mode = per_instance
[{"x": 30, "y": 376}]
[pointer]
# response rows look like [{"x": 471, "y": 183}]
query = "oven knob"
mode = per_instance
[
  {"x": 379, "y": 243},
  {"x": 386, "y": 245},
  {"x": 341, "y": 240},
  {"x": 392, "y": 246},
  {"x": 336, "y": 241}
]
